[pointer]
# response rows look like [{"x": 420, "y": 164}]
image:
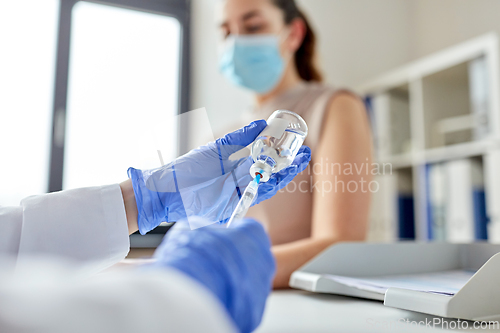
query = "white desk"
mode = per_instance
[{"x": 293, "y": 311}]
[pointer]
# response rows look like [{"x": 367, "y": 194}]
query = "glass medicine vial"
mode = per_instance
[{"x": 278, "y": 144}]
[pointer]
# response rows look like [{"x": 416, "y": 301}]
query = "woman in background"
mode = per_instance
[{"x": 269, "y": 48}]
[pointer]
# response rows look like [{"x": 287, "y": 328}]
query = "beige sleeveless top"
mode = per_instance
[{"x": 287, "y": 216}]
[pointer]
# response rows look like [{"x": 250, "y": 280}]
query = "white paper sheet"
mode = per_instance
[{"x": 445, "y": 283}]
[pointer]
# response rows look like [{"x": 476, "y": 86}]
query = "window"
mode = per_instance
[
  {"x": 123, "y": 77},
  {"x": 28, "y": 37},
  {"x": 84, "y": 88}
]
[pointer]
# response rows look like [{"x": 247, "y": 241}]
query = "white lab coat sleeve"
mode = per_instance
[
  {"x": 87, "y": 225},
  {"x": 161, "y": 300},
  {"x": 11, "y": 219}
]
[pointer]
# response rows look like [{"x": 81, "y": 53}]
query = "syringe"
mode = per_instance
[{"x": 246, "y": 200}]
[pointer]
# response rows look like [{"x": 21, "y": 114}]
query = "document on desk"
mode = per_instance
[{"x": 443, "y": 283}]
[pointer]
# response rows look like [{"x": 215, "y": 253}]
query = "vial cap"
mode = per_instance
[{"x": 261, "y": 168}]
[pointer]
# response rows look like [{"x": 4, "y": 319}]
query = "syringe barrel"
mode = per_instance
[{"x": 245, "y": 202}]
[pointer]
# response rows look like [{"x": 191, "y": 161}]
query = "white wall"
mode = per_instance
[
  {"x": 442, "y": 23},
  {"x": 359, "y": 39},
  {"x": 209, "y": 89}
]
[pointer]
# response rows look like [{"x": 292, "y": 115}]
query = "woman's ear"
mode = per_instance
[{"x": 297, "y": 33}]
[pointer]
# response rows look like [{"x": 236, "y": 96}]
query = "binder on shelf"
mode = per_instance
[
  {"x": 368, "y": 100},
  {"x": 383, "y": 214},
  {"x": 477, "y": 299},
  {"x": 480, "y": 217},
  {"x": 400, "y": 125},
  {"x": 405, "y": 205},
  {"x": 392, "y": 215},
  {"x": 479, "y": 97},
  {"x": 465, "y": 208},
  {"x": 436, "y": 201},
  {"x": 492, "y": 187},
  {"x": 456, "y": 201},
  {"x": 380, "y": 106},
  {"x": 406, "y": 217}
]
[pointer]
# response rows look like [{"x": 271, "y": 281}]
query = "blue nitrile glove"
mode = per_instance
[
  {"x": 205, "y": 182},
  {"x": 282, "y": 178},
  {"x": 235, "y": 264}
]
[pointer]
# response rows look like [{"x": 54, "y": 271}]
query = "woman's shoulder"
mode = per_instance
[
  {"x": 333, "y": 98},
  {"x": 327, "y": 98},
  {"x": 329, "y": 93}
]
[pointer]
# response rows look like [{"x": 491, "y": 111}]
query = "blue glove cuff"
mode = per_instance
[{"x": 152, "y": 206}]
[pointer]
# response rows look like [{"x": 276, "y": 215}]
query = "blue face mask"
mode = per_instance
[{"x": 253, "y": 62}]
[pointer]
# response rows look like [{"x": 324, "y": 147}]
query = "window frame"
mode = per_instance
[{"x": 178, "y": 9}]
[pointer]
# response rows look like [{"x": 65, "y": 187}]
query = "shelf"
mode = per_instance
[
  {"x": 446, "y": 101},
  {"x": 399, "y": 118},
  {"x": 434, "y": 63},
  {"x": 439, "y": 111},
  {"x": 463, "y": 150},
  {"x": 399, "y": 161},
  {"x": 441, "y": 154}
]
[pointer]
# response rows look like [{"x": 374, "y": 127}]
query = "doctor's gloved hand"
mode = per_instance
[
  {"x": 235, "y": 264},
  {"x": 205, "y": 182}
]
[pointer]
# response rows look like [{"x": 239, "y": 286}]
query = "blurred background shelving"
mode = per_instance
[{"x": 436, "y": 123}]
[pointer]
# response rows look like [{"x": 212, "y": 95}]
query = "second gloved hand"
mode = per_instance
[
  {"x": 205, "y": 182},
  {"x": 235, "y": 264}
]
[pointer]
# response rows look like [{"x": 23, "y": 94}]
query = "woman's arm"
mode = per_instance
[{"x": 342, "y": 214}]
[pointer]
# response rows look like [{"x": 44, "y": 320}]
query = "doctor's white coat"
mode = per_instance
[{"x": 88, "y": 228}]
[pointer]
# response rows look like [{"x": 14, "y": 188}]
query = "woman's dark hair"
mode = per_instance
[{"x": 305, "y": 55}]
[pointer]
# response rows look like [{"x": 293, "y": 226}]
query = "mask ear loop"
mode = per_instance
[{"x": 224, "y": 45}]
